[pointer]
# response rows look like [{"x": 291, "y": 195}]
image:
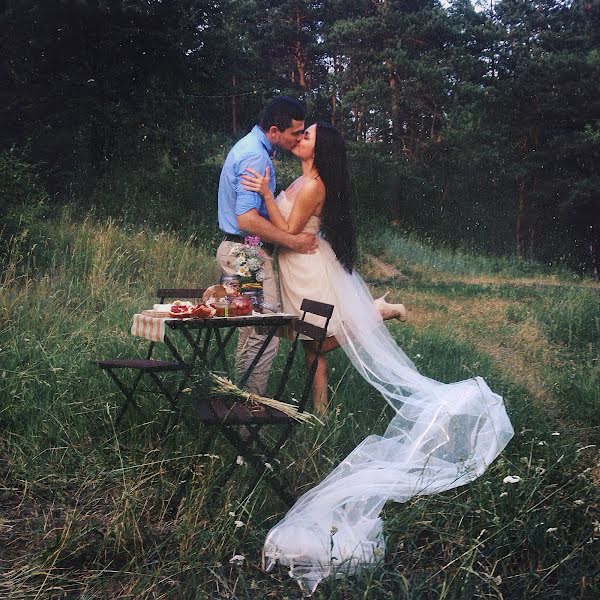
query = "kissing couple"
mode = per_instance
[{"x": 441, "y": 435}]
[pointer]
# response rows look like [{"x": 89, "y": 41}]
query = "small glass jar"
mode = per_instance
[
  {"x": 256, "y": 297},
  {"x": 232, "y": 284},
  {"x": 222, "y": 307},
  {"x": 241, "y": 305}
]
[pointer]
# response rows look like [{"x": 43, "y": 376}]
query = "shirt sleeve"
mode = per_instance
[{"x": 246, "y": 200}]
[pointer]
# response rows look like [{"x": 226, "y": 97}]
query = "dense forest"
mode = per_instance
[{"x": 473, "y": 123}]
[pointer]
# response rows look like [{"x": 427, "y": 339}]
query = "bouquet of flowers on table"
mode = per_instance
[{"x": 249, "y": 261}]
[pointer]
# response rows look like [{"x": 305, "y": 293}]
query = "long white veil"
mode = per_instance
[{"x": 442, "y": 436}]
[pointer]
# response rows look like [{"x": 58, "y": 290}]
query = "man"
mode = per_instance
[{"x": 242, "y": 213}]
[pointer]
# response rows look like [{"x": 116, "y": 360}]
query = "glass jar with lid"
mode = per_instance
[{"x": 232, "y": 284}]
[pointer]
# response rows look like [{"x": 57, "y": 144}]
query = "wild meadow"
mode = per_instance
[{"x": 92, "y": 509}]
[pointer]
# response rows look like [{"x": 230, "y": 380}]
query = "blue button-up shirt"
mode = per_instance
[{"x": 255, "y": 151}]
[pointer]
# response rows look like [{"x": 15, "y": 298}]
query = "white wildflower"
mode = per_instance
[
  {"x": 231, "y": 513},
  {"x": 238, "y": 524},
  {"x": 551, "y": 529},
  {"x": 239, "y": 460},
  {"x": 503, "y": 494},
  {"x": 237, "y": 559},
  {"x": 511, "y": 479},
  {"x": 417, "y": 356},
  {"x": 542, "y": 444},
  {"x": 254, "y": 263},
  {"x": 555, "y": 433},
  {"x": 579, "y": 502}
]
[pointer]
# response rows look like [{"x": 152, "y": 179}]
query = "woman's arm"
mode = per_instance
[{"x": 309, "y": 199}]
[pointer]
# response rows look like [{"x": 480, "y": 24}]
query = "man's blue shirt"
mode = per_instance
[{"x": 255, "y": 151}]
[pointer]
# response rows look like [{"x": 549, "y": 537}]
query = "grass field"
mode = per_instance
[{"x": 90, "y": 510}]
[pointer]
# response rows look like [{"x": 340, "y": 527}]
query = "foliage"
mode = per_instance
[
  {"x": 94, "y": 510},
  {"x": 479, "y": 121},
  {"x": 23, "y": 198}
]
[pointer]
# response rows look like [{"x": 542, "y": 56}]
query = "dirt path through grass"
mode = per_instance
[{"x": 519, "y": 348}]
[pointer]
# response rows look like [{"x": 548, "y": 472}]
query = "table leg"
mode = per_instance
[
  {"x": 194, "y": 343},
  {"x": 174, "y": 351},
  {"x": 221, "y": 348}
]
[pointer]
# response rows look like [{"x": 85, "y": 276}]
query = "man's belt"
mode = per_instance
[{"x": 239, "y": 239}]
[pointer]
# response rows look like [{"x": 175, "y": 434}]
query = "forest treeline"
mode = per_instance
[{"x": 473, "y": 123}]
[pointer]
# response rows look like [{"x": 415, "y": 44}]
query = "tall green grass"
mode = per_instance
[
  {"x": 91, "y": 510},
  {"x": 413, "y": 252}
]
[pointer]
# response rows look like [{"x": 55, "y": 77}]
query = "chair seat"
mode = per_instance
[
  {"x": 143, "y": 364},
  {"x": 217, "y": 411}
]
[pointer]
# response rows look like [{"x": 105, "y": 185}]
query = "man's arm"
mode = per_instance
[
  {"x": 308, "y": 200},
  {"x": 253, "y": 223},
  {"x": 250, "y": 220}
]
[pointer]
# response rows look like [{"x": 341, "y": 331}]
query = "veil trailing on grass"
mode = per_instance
[{"x": 441, "y": 436}]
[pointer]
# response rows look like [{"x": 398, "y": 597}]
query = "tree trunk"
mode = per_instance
[
  {"x": 234, "y": 127},
  {"x": 393, "y": 81},
  {"x": 334, "y": 95},
  {"x": 595, "y": 239},
  {"x": 433, "y": 121},
  {"x": 361, "y": 124},
  {"x": 300, "y": 66},
  {"x": 531, "y": 240},
  {"x": 333, "y": 109},
  {"x": 298, "y": 56},
  {"x": 521, "y": 222},
  {"x": 595, "y": 254}
]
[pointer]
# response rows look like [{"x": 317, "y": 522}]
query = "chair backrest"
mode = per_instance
[
  {"x": 320, "y": 309},
  {"x": 179, "y": 293},
  {"x": 314, "y": 332}
]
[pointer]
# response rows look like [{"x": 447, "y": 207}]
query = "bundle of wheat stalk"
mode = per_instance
[{"x": 215, "y": 386}]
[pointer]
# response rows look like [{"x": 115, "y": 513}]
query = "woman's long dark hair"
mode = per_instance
[{"x": 337, "y": 222}]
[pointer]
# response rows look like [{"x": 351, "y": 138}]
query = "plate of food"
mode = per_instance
[{"x": 190, "y": 311}]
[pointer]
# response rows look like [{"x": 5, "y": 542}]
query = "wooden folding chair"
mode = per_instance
[
  {"x": 230, "y": 416},
  {"x": 149, "y": 366}
]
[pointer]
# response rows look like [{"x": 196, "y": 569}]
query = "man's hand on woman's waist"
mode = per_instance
[{"x": 253, "y": 223}]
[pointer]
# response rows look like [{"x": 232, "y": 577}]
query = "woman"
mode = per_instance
[
  {"x": 441, "y": 435},
  {"x": 317, "y": 202}
]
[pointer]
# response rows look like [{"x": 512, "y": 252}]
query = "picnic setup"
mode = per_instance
[{"x": 195, "y": 330}]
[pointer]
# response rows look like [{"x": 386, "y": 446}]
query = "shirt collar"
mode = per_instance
[{"x": 260, "y": 134}]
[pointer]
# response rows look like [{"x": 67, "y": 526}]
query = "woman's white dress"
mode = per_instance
[
  {"x": 441, "y": 435},
  {"x": 308, "y": 275}
]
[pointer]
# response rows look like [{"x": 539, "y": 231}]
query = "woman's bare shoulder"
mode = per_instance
[{"x": 314, "y": 187}]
